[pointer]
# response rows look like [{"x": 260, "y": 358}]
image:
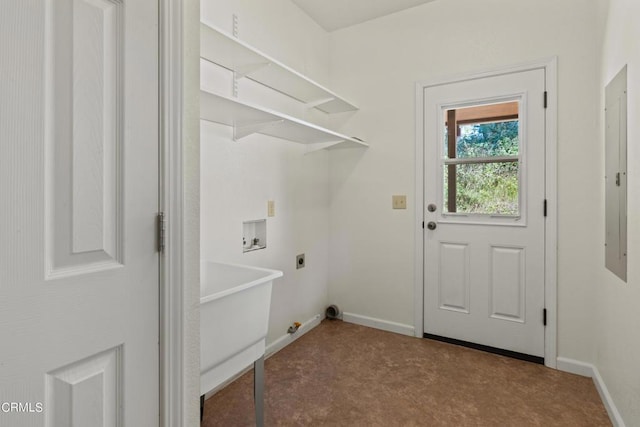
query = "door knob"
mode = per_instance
[{"x": 431, "y": 225}]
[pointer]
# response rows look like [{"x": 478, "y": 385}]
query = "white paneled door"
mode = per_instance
[
  {"x": 484, "y": 211},
  {"x": 79, "y": 269}
]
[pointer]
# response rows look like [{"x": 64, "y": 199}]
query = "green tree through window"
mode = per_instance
[{"x": 487, "y": 188}]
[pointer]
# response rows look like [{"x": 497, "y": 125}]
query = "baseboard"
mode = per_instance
[
  {"x": 575, "y": 367},
  {"x": 385, "y": 325},
  {"x": 287, "y": 339},
  {"x": 588, "y": 370}
]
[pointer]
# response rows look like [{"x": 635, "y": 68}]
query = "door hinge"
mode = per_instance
[
  {"x": 545, "y": 99},
  {"x": 160, "y": 229},
  {"x": 544, "y": 208},
  {"x": 544, "y": 317}
]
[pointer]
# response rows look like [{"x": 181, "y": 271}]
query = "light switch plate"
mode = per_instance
[
  {"x": 399, "y": 202},
  {"x": 271, "y": 208}
]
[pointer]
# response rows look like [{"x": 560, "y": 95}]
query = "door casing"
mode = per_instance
[
  {"x": 177, "y": 405},
  {"x": 550, "y": 286}
]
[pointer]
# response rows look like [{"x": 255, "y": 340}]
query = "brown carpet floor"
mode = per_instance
[{"x": 341, "y": 374}]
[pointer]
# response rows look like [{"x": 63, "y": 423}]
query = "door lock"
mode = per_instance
[
  {"x": 431, "y": 207},
  {"x": 431, "y": 225}
]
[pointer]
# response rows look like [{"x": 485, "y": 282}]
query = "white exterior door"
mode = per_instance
[
  {"x": 484, "y": 211},
  {"x": 79, "y": 272}
]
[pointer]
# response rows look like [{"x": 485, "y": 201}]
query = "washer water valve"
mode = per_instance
[{"x": 293, "y": 328}]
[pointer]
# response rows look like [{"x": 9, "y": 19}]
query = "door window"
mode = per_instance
[{"x": 481, "y": 161}]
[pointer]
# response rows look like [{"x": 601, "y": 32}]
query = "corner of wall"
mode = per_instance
[{"x": 591, "y": 371}]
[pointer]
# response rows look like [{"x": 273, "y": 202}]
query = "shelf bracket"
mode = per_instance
[
  {"x": 245, "y": 129},
  {"x": 322, "y": 145},
  {"x": 318, "y": 102},
  {"x": 242, "y": 70}
]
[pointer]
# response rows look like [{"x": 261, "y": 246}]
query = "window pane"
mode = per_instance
[
  {"x": 482, "y": 131},
  {"x": 482, "y": 188},
  {"x": 488, "y": 140}
]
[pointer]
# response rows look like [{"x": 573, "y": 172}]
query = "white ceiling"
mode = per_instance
[{"x": 335, "y": 14}]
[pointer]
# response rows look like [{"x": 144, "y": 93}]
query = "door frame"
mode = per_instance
[
  {"x": 550, "y": 65},
  {"x": 176, "y": 373}
]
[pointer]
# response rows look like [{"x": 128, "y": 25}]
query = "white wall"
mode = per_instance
[
  {"x": 238, "y": 178},
  {"x": 371, "y": 248},
  {"x": 617, "y": 348}
]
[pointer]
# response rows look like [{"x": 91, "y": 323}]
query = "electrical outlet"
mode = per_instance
[
  {"x": 300, "y": 261},
  {"x": 399, "y": 202},
  {"x": 271, "y": 208}
]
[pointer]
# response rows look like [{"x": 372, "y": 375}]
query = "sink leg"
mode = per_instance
[
  {"x": 201, "y": 408},
  {"x": 258, "y": 390}
]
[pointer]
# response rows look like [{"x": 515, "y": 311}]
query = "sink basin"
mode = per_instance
[{"x": 234, "y": 316}]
